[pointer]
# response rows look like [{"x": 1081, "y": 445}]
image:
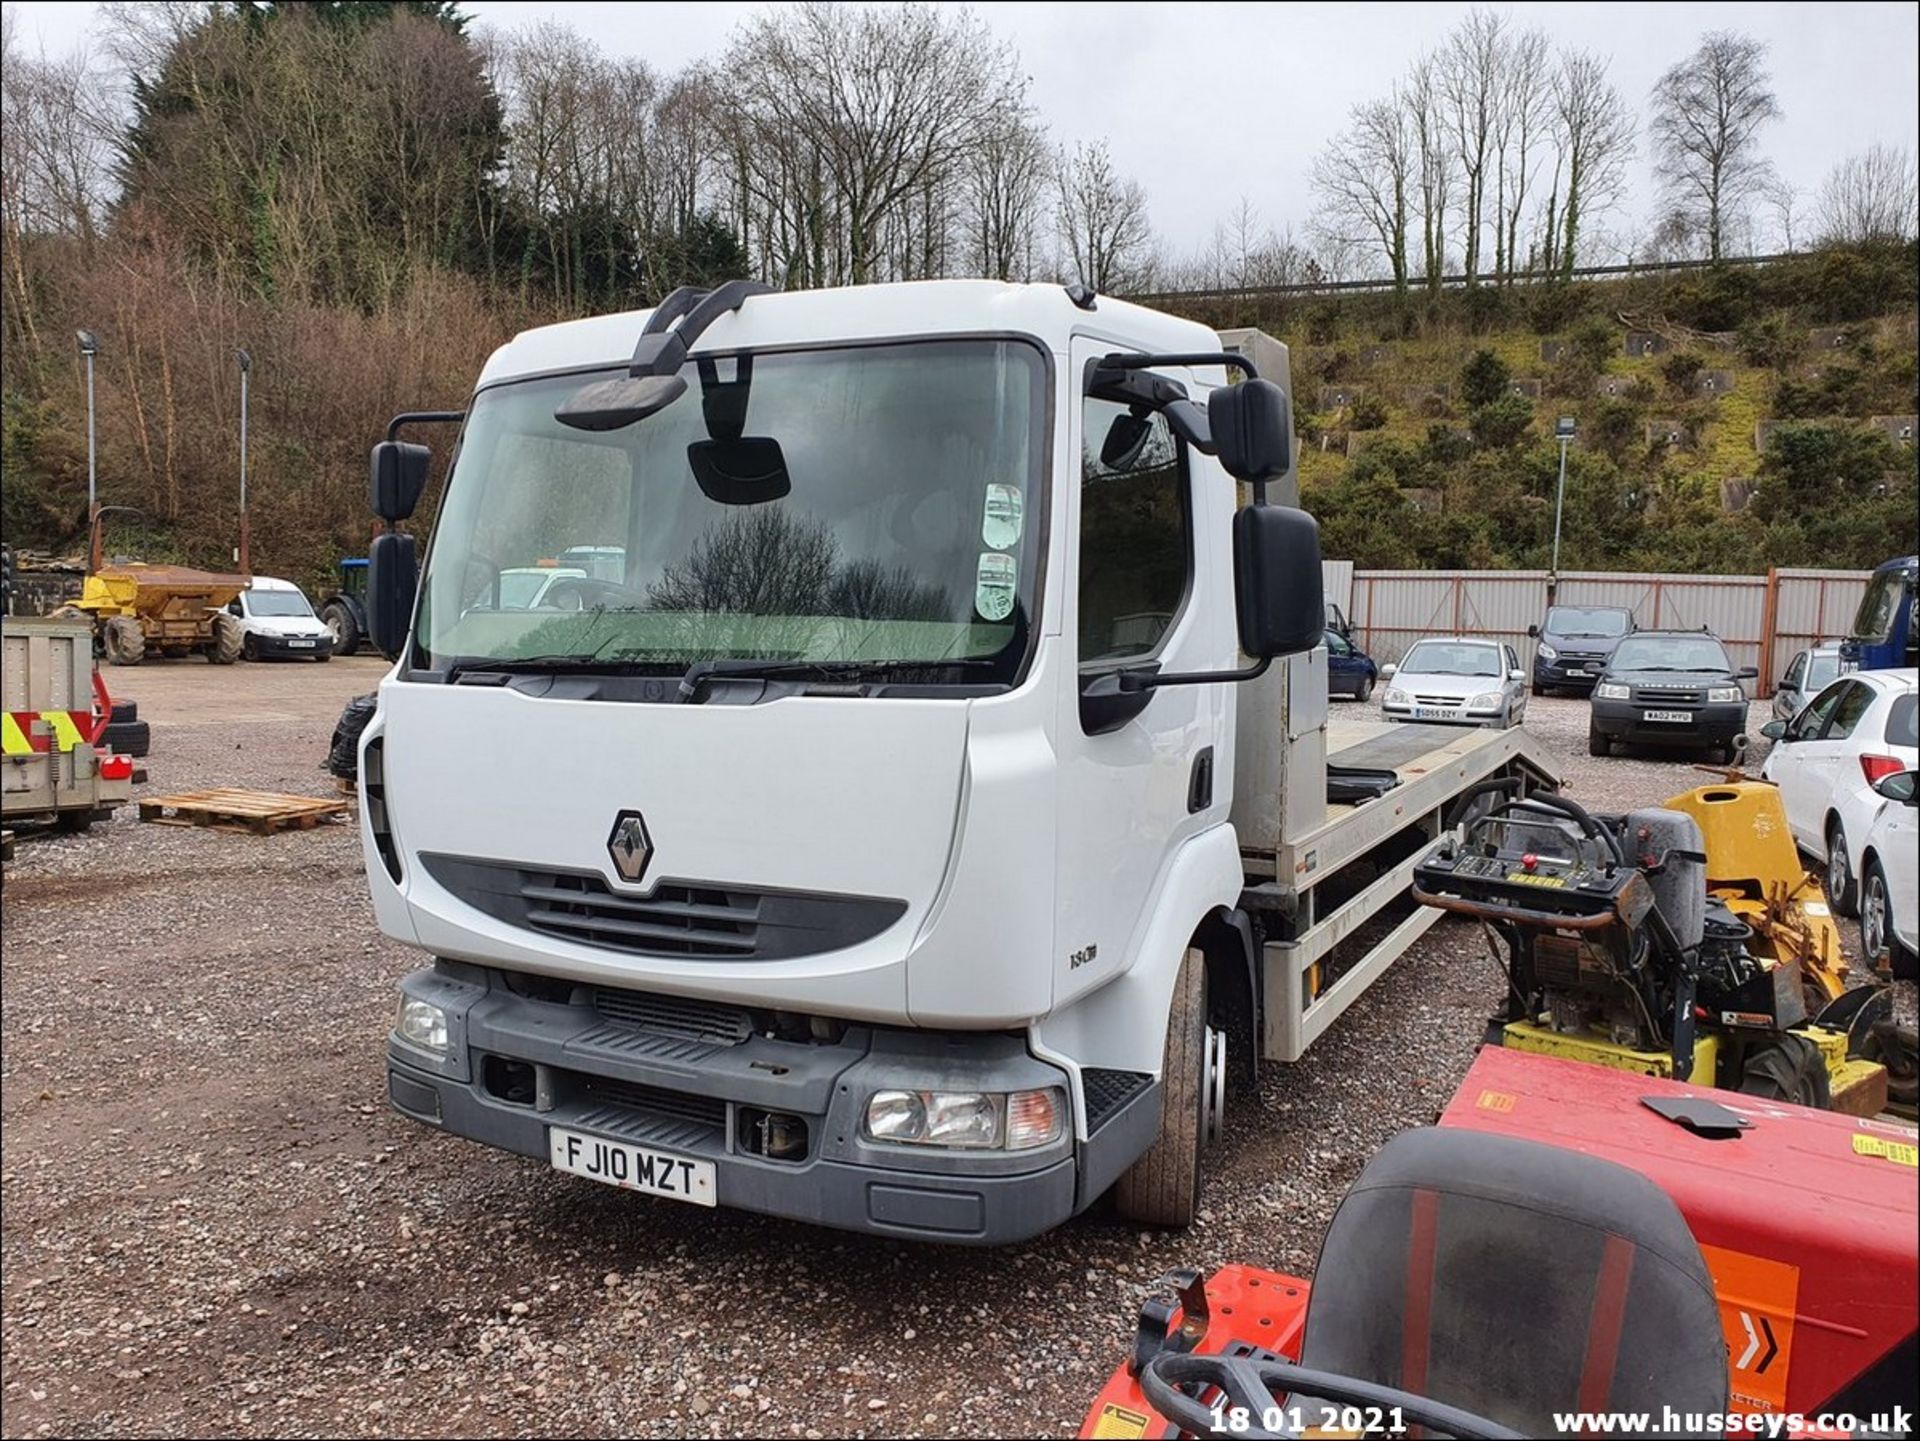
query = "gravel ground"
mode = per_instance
[{"x": 214, "y": 1225}]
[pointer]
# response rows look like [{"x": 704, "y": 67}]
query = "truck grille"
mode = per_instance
[
  {"x": 684, "y": 1019},
  {"x": 678, "y": 919}
]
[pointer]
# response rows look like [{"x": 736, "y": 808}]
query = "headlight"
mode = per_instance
[
  {"x": 1725, "y": 693},
  {"x": 1490, "y": 701},
  {"x": 421, "y": 1023},
  {"x": 1394, "y": 697},
  {"x": 1611, "y": 690},
  {"x": 1546, "y": 652},
  {"x": 975, "y": 1120}
]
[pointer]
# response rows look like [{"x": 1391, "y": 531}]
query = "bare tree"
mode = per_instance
[
  {"x": 1004, "y": 194},
  {"x": 1362, "y": 179},
  {"x": 1524, "y": 110},
  {"x": 1470, "y": 74},
  {"x": 1870, "y": 196},
  {"x": 1422, "y": 99},
  {"x": 1707, "y": 114},
  {"x": 1103, "y": 220},
  {"x": 863, "y": 115},
  {"x": 1593, "y": 139}
]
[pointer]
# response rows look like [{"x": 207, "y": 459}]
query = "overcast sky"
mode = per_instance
[{"x": 1206, "y": 103}]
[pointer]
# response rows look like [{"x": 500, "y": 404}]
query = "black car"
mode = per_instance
[
  {"x": 1667, "y": 687},
  {"x": 1574, "y": 644}
]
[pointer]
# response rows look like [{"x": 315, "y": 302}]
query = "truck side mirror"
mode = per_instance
[
  {"x": 1279, "y": 603},
  {"x": 393, "y": 576},
  {"x": 1252, "y": 432},
  {"x": 398, "y": 475}
]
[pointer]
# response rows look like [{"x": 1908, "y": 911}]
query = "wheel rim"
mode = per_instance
[
  {"x": 1874, "y": 922},
  {"x": 1837, "y": 875},
  {"x": 1213, "y": 1087}
]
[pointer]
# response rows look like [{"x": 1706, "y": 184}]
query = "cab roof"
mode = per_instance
[{"x": 864, "y": 312}]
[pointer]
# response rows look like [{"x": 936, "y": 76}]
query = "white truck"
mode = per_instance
[{"x": 941, "y": 803}]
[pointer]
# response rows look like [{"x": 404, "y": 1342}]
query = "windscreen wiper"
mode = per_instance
[{"x": 694, "y": 682}]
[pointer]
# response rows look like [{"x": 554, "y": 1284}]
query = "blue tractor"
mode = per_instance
[
  {"x": 345, "y": 609},
  {"x": 1883, "y": 635}
]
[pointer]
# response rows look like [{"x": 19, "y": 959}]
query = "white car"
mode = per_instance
[
  {"x": 525, "y": 587},
  {"x": 1827, "y": 759},
  {"x": 1456, "y": 680},
  {"x": 277, "y": 619},
  {"x": 1889, "y": 887}
]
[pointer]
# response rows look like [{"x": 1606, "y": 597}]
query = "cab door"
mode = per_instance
[{"x": 1148, "y": 556}]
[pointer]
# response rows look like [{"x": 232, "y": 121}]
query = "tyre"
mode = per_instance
[
  {"x": 74, "y": 823},
  {"x": 127, "y": 738},
  {"x": 346, "y": 633},
  {"x": 123, "y": 711},
  {"x": 1597, "y": 742},
  {"x": 1843, "y": 891},
  {"x": 1162, "y": 1188},
  {"x": 1894, "y": 1047},
  {"x": 1791, "y": 1069},
  {"x": 1364, "y": 691},
  {"x": 343, "y": 755},
  {"x": 225, "y": 645},
  {"x": 125, "y": 642},
  {"x": 249, "y": 648},
  {"x": 1876, "y": 923}
]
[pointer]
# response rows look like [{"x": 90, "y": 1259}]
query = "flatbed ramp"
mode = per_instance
[{"x": 1334, "y": 889}]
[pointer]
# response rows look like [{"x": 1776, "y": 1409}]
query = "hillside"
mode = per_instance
[{"x": 1725, "y": 420}]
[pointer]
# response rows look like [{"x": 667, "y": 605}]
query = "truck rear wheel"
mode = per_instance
[
  {"x": 228, "y": 638},
  {"x": 125, "y": 642},
  {"x": 1162, "y": 1188}
]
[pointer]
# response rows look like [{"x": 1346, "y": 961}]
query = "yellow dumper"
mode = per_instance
[{"x": 138, "y": 610}]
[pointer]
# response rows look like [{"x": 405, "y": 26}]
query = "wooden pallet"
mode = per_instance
[{"x": 260, "y": 813}]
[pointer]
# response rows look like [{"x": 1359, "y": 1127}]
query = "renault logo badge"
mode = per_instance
[{"x": 630, "y": 846}]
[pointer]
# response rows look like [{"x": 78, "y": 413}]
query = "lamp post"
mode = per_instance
[
  {"x": 244, "y": 555},
  {"x": 89, "y": 346},
  {"x": 1562, "y": 432}
]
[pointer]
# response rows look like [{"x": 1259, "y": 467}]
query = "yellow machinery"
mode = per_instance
[
  {"x": 1685, "y": 940},
  {"x": 139, "y": 610}
]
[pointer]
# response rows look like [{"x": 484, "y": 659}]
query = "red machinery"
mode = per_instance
[{"x": 1806, "y": 1224}]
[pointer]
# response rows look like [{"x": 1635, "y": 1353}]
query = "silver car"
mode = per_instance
[
  {"x": 1810, "y": 672},
  {"x": 1456, "y": 680}
]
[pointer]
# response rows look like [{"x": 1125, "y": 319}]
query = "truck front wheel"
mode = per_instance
[{"x": 1162, "y": 1188}]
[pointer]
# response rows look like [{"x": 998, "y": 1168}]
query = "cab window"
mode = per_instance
[{"x": 1135, "y": 536}]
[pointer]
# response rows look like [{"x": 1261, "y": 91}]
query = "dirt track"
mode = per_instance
[{"x": 213, "y": 1223}]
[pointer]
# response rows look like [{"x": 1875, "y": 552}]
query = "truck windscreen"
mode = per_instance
[{"x": 905, "y": 530}]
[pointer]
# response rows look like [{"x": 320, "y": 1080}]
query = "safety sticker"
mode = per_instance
[
  {"x": 1494, "y": 1101},
  {"x": 1117, "y": 1421},
  {"x": 1005, "y": 516},
  {"x": 993, "y": 585},
  {"x": 1757, "y": 1297},
  {"x": 1901, "y": 1153}
]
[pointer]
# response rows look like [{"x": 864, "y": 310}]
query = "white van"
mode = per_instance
[{"x": 277, "y": 619}]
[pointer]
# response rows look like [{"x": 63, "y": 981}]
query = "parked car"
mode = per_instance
[
  {"x": 1889, "y": 883},
  {"x": 1808, "y": 673},
  {"x": 1575, "y": 642},
  {"x": 1673, "y": 688},
  {"x": 277, "y": 619},
  {"x": 1350, "y": 670},
  {"x": 1457, "y": 680},
  {"x": 526, "y": 587},
  {"x": 1827, "y": 759}
]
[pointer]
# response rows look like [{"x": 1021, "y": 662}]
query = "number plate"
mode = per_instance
[
  {"x": 1427, "y": 712},
  {"x": 301, "y": 644},
  {"x": 638, "y": 1168},
  {"x": 1667, "y": 717}
]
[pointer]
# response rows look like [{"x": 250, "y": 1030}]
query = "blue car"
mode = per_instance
[{"x": 1350, "y": 670}]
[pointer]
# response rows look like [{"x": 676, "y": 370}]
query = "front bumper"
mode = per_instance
[
  {"x": 1433, "y": 716},
  {"x": 283, "y": 647},
  {"x": 1566, "y": 675},
  {"x": 656, "y": 1081},
  {"x": 1711, "y": 723}
]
